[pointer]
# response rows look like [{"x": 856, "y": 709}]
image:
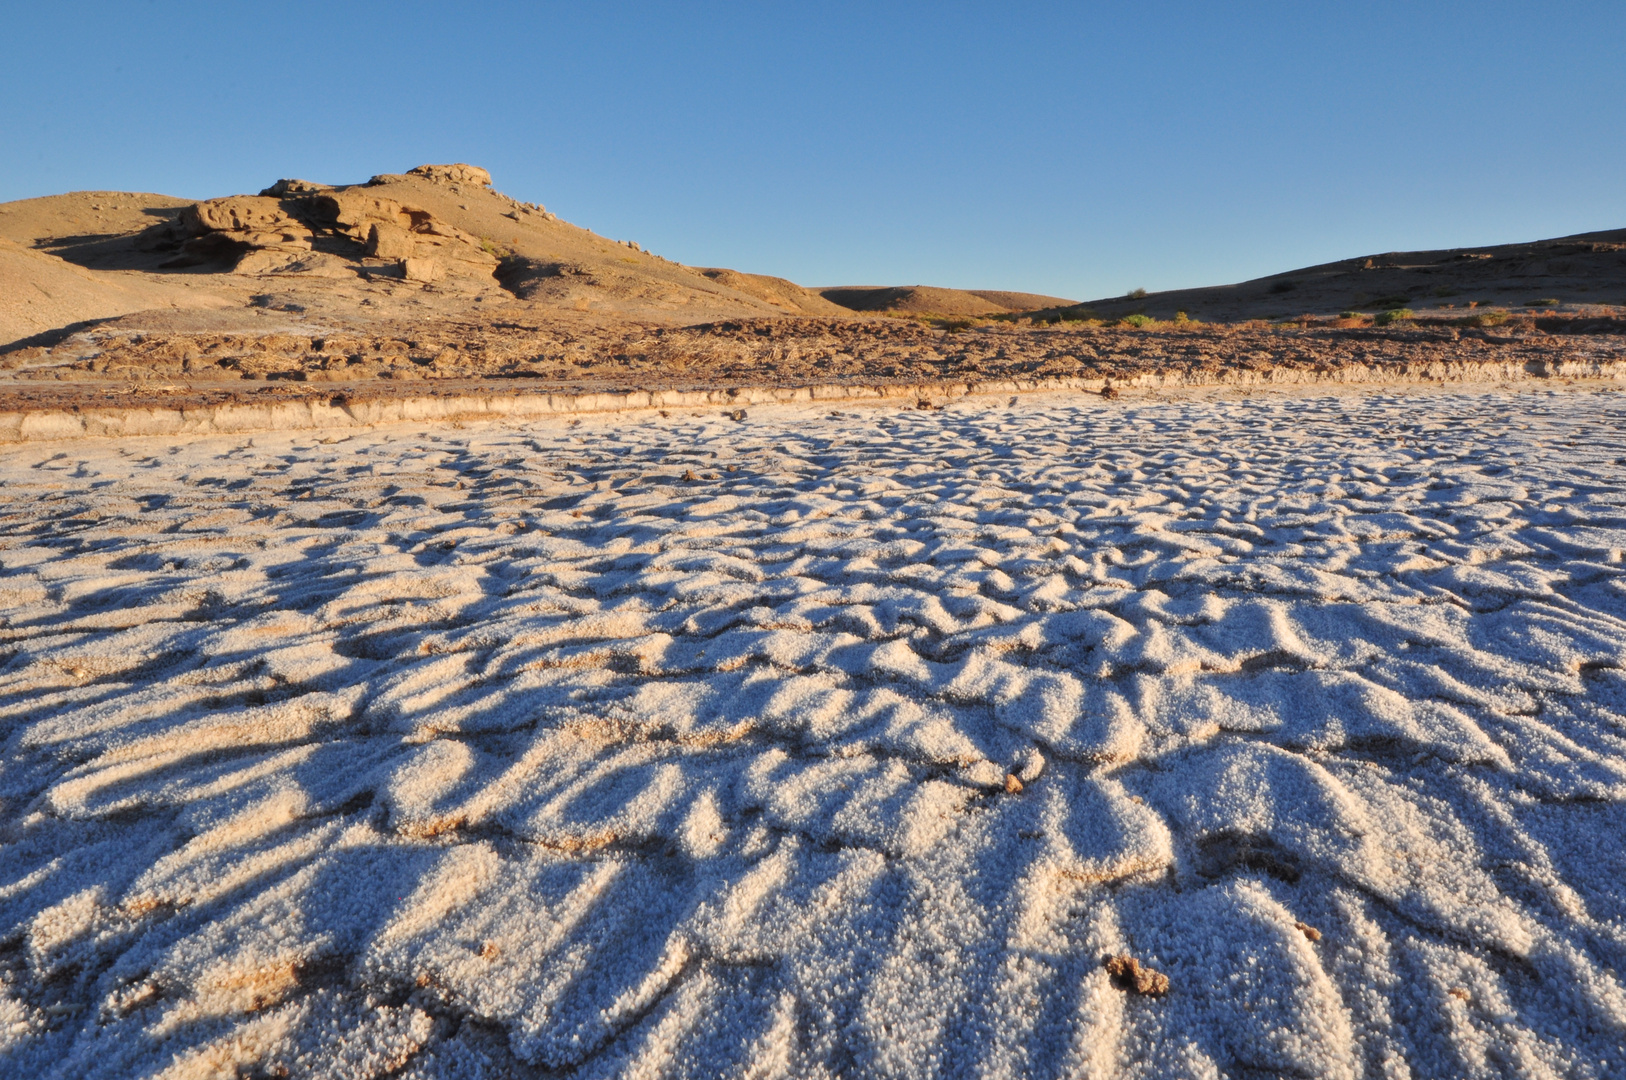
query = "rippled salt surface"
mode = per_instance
[{"x": 679, "y": 746}]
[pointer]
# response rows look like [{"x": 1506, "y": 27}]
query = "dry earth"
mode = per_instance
[{"x": 434, "y": 278}]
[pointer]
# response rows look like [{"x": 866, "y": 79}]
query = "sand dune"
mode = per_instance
[{"x": 824, "y": 744}]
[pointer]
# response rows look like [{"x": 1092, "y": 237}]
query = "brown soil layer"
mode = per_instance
[{"x": 110, "y": 367}]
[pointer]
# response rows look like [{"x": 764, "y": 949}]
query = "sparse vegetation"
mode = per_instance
[
  {"x": 1137, "y": 320},
  {"x": 1548, "y": 302},
  {"x": 1136, "y": 294},
  {"x": 1394, "y": 315},
  {"x": 1484, "y": 318}
]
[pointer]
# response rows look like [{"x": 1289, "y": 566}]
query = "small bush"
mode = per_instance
[
  {"x": 1182, "y": 319},
  {"x": 1394, "y": 315},
  {"x": 1549, "y": 302},
  {"x": 1137, "y": 320},
  {"x": 1350, "y": 315},
  {"x": 1136, "y": 294},
  {"x": 1484, "y": 318}
]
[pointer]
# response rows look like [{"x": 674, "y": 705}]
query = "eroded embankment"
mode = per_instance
[{"x": 224, "y": 413}]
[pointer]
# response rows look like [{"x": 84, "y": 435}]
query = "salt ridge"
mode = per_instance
[{"x": 683, "y": 746}]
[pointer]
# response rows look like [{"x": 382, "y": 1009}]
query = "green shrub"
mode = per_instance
[
  {"x": 1549, "y": 302},
  {"x": 1394, "y": 315},
  {"x": 1137, "y": 320},
  {"x": 1350, "y": 315},
  {"x": 1136, "y": 294}
]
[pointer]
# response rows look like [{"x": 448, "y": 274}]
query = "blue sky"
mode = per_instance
[{"x": 1072, "y": 149}]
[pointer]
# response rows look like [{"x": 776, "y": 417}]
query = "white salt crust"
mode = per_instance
[{"x": 681, "y": 746}]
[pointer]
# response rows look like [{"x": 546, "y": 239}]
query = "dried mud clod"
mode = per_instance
[
  {"x": 1129, "y": 974},
  {"x": 1308, "y": 931}
]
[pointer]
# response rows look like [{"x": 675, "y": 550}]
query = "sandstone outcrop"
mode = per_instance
[
  {"x": 276, "y": 231},
  {"x": 256, "y": 233},
  {"x": 453, "y": 174}
]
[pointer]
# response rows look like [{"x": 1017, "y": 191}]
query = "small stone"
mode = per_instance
[
  {"x": 1308, "y": 931},
  {"x": 1128, "y": 974},
  {"x": 1013, "y": 786}
]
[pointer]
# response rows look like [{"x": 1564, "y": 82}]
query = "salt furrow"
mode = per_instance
[{"x": 824, "y": 744}]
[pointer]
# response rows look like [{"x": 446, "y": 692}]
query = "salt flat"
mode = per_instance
[{"x": 681, "y": 745}]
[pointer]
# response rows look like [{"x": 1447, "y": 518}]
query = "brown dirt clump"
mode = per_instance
[{"x": 1129, "y": 974}]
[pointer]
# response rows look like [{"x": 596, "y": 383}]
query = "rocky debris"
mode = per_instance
[
  {"x": 453, "y": 174},
  {"x": 1128, "y": 974}
]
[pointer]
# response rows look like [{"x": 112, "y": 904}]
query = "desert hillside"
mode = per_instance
[
  {"x": 435, "y": 242},
  {"x": 1585, "y": 270},
  {"x": 434, "y": 278},
  {"x": 931, "y": 300}
]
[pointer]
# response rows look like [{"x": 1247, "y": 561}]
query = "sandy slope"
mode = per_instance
[
  {"x": 932, "y": 300},
  {"x": 1588, "y": 269},
  {"x": 680, "y": 746},
  {"x": 39, "y": 292}
]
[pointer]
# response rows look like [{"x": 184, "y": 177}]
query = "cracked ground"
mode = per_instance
[{"x": 824, "y": 743}]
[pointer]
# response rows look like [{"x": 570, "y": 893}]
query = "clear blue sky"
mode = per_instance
[{"x": 1073, "y": 149}]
